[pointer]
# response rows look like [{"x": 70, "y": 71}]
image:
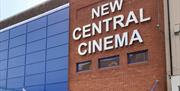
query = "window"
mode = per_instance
[
  {"x": 83, "y": 66},
  {"x": 108, "y": 61},
  {"x": 139, "y": 56}
]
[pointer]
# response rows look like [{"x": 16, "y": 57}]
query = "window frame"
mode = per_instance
[
  {"x": 77, "y": 66},
  {"x": 100, "y": 59},
  {"x": 137, "y": 52}
]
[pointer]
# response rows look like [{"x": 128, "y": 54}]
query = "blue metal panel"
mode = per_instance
[
  {"x": 3, "y": 65},
  {"x": 58, "y": 28},
  {"x": 38, "y": 34},
  {"x": 16, "y": 72},
  {"x": 4, "y": 45},
  {"x": 18, "y": 31},
  {"x": 35, "y": 80},
  {"x": 4, "y": 35},
  {"x": 57, "y": 76},
  {"x": 56, "y": 52},
  {"x": 35, "y": 57},
  {"x": 58, "y": 16},
  {"x": 20, "y": 50},
  {"x": 57, "y": 87},
  {"x": 57, "y": 64},
  {"x": 18, "y": 41},
  {"x": 57, "y": 40},
  {"x": 15, "y": 83},
  {"x": 18, "y": 61},
  {"x": 36, "y": 46},
  {"x": 3, "y": 55},
  {"x": 36, "y": 24},
  {"x": 35, "y": 68},
  {"x": 2, "y": 74},
  {"x": 35, "y": 88},
  {"x": 3, "y": 83}
]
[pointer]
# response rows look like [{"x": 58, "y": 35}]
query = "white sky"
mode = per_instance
[{"x": 10, "y": 8}]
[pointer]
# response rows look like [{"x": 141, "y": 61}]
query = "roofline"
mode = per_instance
[{"x": 36, "y": 17}]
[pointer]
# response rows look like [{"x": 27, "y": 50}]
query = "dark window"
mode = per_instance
[
  {"x": 139, "y": 56},
  {"x": 179, "y": 88},
  {"x": 83, "y": 66},
  {"x": 109, "y": 61}
]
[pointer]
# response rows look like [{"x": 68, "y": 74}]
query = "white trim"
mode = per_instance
[{"x": 36, "y": 17}]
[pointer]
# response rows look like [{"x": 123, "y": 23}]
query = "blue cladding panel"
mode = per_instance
[
  {"x": 38, "y": 34},
  {"x": 15, "y": 82},
  {"x": 2, "y": 83},
  {"x": 56, "y": 52},
  {"x": 35, "y": 80},
  {"x": 4, "y": 35},
  {"x": 18, "y": 61},
  {"x": 36, "y": 46},
  {"x": 58, "y": 16},
  {"x": 4, "y": 45},
  {"x": 35, "y": 88},
  {"x": 57, "y": 40},
  {"x": 3, "y": 55},
  {"x": 18, "y": 41},
  {"x": 36, "y": 24},
  {"x": 57, "y": 64},
  {"x": 20, "y": 50},
  {"x": 58, "y": 28},
  {"x": 3, "y": 65},
  {"x": 35, "y": 68},
  {"x": 18, "y": 31},
  {"x": 3, "y": 75},
  {"x": 35, "y": 55},
  {"x": 57, "y": 76},
  {"x": 57, "y": 87},
  {"x": 16, "y": 72}
]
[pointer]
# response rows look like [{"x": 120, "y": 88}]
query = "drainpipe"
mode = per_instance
[{"x": 170, "y": 46}]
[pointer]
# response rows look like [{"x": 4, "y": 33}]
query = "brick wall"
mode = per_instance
[{"x": 126, "y": 77}]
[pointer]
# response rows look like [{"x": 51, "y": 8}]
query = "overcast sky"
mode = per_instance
[{"x": 10, "y": 8}]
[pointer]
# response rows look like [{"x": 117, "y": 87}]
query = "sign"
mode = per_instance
[{"x": 118, "y": 22}]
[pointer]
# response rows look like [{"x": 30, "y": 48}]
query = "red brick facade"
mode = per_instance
[{"x": 125, "y": 77}]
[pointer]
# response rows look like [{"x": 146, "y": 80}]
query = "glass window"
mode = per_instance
[
  {"x": 35, "y": 57},
  {"x": 36, "y": 24},
  {"x": 4, "y": 45},
  {"x": 15, "y": 83},
  {"x": 58, "y": 16},
  {"x": 4, "y": 35},
  {"x": 18, "y": 31},
  {"x": 83, "y": 66},
  {"x": 18, "y": 41},
  {"x": 55, "y": 87},
  {"x": 36, "y": 46},
  {"x": 16, "y": 72},
  {"x": 58, "y": 28},
  {"x": 139, "y": 56},
  {"x": 56, "y": 52},
  {"x": 20, "y": 50},
  {"x": 108, "y": 61},
  {"x": 35, "y": 79},
  {"x": 35, "y": 68},
  {"x": 57, "y": 76},
  {"x": 57, "y": 64},
  {"x": 57, "y": 40},
  {"x": 38, "y": 34},
  {"x": 3, "y": 83},
  {"x": 18, "y": 61}
]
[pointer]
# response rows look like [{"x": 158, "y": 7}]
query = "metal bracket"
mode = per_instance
[{"x": 177, "y": 32}]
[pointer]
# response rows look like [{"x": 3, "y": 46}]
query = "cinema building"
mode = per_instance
[{"x": 92, "y": 45}]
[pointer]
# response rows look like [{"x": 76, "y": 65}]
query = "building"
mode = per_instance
[{"x": 92, "y": 45}]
